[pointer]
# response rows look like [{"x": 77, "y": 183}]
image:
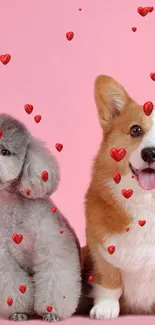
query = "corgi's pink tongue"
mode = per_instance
[{"x": 146, "y": 180}]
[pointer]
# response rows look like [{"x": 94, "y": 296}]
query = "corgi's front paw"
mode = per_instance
[{"x": 106, "y": 309}]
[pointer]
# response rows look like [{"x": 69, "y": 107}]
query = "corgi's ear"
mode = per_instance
[{"x": 111, "y": 98}]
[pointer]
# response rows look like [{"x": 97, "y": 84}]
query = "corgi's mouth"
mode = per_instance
[{"x": 145, "y": 177}]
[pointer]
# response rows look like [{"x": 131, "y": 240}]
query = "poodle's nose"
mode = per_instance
[{"x": 148, "y": 154}]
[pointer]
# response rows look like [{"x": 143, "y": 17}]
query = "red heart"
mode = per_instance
[
  {"x": 59, "y": 146},
  {"x": 37, "y": 118},
  {"x": 45, "y": 176},
  {"x": 17, "y": 238},
  {"x": 143, "y": 11},
  {"x": 80, "y": 9},
  {"x": 10, "y": 301},
  {"x": 111, "y": 249},
  {"x": 127, "y": 229},
  {"x": 28, "y": 192},
  {"x": 117, "y": 154},
  {"x": 61, "y": 232},
  {"x": 53, "y": 209},
  {"x": 142, "y": 222},
  {"x": 49, "y": 308},
  {"x": 117, "y": 178},
  {"x": 28, "y": 108},
  {"x": 134, "y": 29},
  {"x": 64, "y": 297},
  {"x": 22, "y": 288},
  {"x": 127, "y": 193},
  {"x": 69, "y": 35},
  {"x": 1, "y": 133},
  {"x": 152, "y": 76},
  {"x": 150, "y": 9},
  {"x": 147, "y": 108},
  {"x": 91, "y": 278},
  {"x": 5, "y": 58}
]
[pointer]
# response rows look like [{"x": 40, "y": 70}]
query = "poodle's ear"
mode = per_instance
[{"x": 38, "y": 159}]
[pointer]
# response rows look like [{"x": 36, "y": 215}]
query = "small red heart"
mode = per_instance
[
  {"x": 117, "y": 178},
  {"x": 80, "y": 9},
  {"x": 142, "y": 222},
  {"x": 69, "y": 35},
  {"x": 1, "y": 133},
  {"x": 152, "y": 76},
  {"x": 53, "y": 209},
  {"x": 134, "y": 29},
  {"x": 91, "y": 278},
  {"x": 132, "y": 176},
  {"x": 22, "y": 288},
  {"x": 64, "y": 297},
  {"x": 150, "y": 9},
  {"x": 127, "y": 229},
  {"x": 37, "y": 118},
  {"x": 17, "y": 238},
  {"x": 5, "y": 58},
  {"x": 49, "y": 308},
  {"x": 59, "y": 146},
  {"x": 10, "y": 302},
  {"x": 61, "y": 232},
  {"x": 45, "y": 176},
  {"x": 28, "y": 192},
  {"x": 127, "y": 193},
  {"x": 111, "y": 249},
  {"x": 28, "y": 108},
  {"x": 143, "y": 11},
  {"x": 147, "y": 108},
  {"x": 117, "y": 154}
]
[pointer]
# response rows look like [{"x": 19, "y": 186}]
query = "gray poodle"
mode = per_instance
[{"x": 40, "y": 269}]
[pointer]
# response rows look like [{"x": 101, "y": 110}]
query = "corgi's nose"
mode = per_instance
[{"x": 148, "y": 155}]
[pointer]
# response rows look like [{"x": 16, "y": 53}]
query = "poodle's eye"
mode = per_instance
[
  {"x": 136, "y": 131},
  {"x": 5, "y": 152}
]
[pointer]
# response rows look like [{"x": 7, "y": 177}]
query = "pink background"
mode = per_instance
[{"x": 57, "y": 77}]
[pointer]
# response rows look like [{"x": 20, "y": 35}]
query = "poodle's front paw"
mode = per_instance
[
  {"x": 107, "y": 309},
  {"x": 51, "y": 318},
  {"x": 17, "y": 317}
]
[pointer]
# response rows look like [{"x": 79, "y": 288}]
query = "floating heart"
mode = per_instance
[
  {"x": 44, "y": 176},
  {"x": 64, "y": 297},
  {"x": 22, "y": 288},
  {"x": 142, "y": 222},
  {"x": 53, "y": 209},
  {"x": 61, "y": 232},
  {"x": 1, "y": 133},
  {"x": 111, "y": 249},
  {"x": 69, "y": 35},
  {"x": 37, "y": 118},
  {"x": 59, "y": 146},
  {"x": 117, "y": 178},
  {"x": 134, "y": 29},
  {"x": 17, "y": 238},
  {"x": 127, "y": 193},
  {"x": 5, "y": 58},
  {"x": 152, "y": 76},
  {"x": 91, "y": 278},
  {"x": 28, "y": 108},
  {"x": 143, "y": 11},
  {"x": 147, "y": 108},
  {"x": 28, "y": 192},
  {"x": 117, "y": 154},
  {"x": 49, "y": 308},
  {"x": 127, "y": 229},
  {"x": 10, "y": 302},
  {"x": 80, "y": 9},
  {"x": 150, "y": 9}
]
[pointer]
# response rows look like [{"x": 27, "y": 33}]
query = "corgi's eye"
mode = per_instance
[{"x": 136, "y": 131}]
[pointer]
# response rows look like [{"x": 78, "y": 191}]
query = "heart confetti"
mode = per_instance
[
  {"x": 127, "y": 229},
  {"x": 1, "y": 133},
  {"x": 147, "y": 108},
  {"x": 150, "y": 9},
  {"x": 5, "y": 58},
  {"x": 61, "y": 232},
  {"x": 80, "y": 9},
  {"x": 22, "y": 288},
  {"x": 17, "y": 238},
  {"x": 10, "y": 302},
  {"x": 59, "y": 146},
  {"x": 53, "y": 209},
  {"x": 142, "y": 222},
  {"x": 49, "y": 308},
  {"x": 69, "y": 35},
  {"x": 91, "y": 278},
  {"x": 152, "y": 76},
  {"x": 134, "y": 29},
  {"x": 28, "y": 108},
  {"x": 127, "y": 193},
  {"x": 143, "y": 11},
  {"x": 28, "y": 192},
  {"x": 111, "y": 249},
  {"x": 117, "y": 154},
  {"x": 45, "y": 176},
  {"x": 117, "y": 178},
  {"x": 37, "y": 118}
]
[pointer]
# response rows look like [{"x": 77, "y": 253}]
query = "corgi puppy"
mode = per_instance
[{"x": 120, "y": 206}]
